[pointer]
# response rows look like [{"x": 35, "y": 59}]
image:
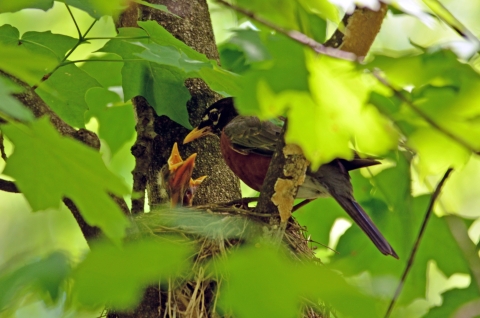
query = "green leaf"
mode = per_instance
[
  {"x": 311, "y": 24},
  {"x": 47, "y": 43},
  {"x": 46, "y": 276},
  {"x": 47, "y": 167},
  {"x": 107, "y": 72},
  {"x": 453, "y": 300},
  {"x": 12, "y": 6},
  {"x": 217, "y": 79},
  {"x": 24, "y": 64},
  {"x": 155, "y": 6},
  {"x": 160, "y": 35},
  {"x": 116, "y": 119},
  {"x": 11, "y": 106},
  {"x": 162, "y": 68},
  {"x": 324, "y": 8},
  {"x": 279, "y": 12},
  {"x": 250, "y": 43},
  {"x": 98, "y": 8},
  {"x": 67, "y": 99},
  {"x": 399, "y": 218},
  {"x": 115, "y": 276},
  {"x": 319, "y": 217},
  {"x": 257, "y": 278},
  {"x": 162, "y": 86},
  {"x": 283, "y": 73},
  {"x": 9, "y": 35}
]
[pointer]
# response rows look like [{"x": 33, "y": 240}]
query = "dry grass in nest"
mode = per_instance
[{"x": 215, "y": 230}]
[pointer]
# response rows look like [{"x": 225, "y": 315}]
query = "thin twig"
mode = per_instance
[
  {"x": 294, "y": 35},
  {"x": 460, "y": 28},
  {"x": 74, "y": 21},
  {"x": 116, "y": 38},
  {"x": 81, "y": 39},
  {"x": 2, "y": 147},
  {"x": 92, "y": 60},
  {"x": 424, "y": 116},
  {"x": 417, "y": 242},
  {"x": 8, "y": 186}
]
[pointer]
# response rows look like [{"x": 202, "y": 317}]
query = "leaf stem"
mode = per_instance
[
  {"x": 116, "y": 38},
  {"x": 74, "y": 21},
  {"x": 445, "y": 15},
  {"x": 107, "y": 60},
  {"x": 413, "y": 253}
]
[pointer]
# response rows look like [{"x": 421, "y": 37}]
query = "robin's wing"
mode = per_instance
[{"x": 250, "y": 135}]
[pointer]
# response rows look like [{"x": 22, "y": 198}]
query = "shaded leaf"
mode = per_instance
[
  {"x": 261, "y": 283},
  {"x": 12, "y": 6},
  {"x": 45, "y": 275}
]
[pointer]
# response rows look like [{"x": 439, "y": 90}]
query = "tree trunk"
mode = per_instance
[{"x": 157, "y": 134}]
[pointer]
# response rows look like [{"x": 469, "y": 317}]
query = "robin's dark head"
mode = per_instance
[{"x": 214, "y": 119}]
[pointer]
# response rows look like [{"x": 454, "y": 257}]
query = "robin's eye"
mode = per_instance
[{"x": 214, "y": 116}]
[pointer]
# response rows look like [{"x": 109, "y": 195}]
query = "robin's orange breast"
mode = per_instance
[{"x": 251, "y": 168}]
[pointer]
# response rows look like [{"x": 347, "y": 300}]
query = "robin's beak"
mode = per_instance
[{"x": 197, "y": 133}]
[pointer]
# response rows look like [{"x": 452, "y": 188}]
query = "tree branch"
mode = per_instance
[
  {"x": 413, "y": 253},
  {"x": 293, "y": 34}
]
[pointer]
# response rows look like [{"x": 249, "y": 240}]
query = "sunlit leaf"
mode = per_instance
[
  {"x": 106, "y": 69},
  {"x": 65, "y": 98},
  {"x": 116, "y": 119},
  {"x": 47, "y": 43},
  {"x": 24, "y": 64},
  {"x": 47, "y": 167},
  {"x": 453, "y": 300},
  {"x": 98, "y": 8}
]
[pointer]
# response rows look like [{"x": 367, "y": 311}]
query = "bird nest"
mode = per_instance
[{"x": 215, "y": 230}]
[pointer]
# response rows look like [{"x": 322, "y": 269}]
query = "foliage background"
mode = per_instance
[{"x": 407, "y": 50}]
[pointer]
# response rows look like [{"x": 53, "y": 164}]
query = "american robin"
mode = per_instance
[
  {"x": 247, "y": 145},
  {"x": 176, "y": 177}
]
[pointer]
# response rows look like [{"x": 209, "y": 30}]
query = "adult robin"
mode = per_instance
[
  {"x": 247, "y": 145},
  {"x": 176, "y": 178}
]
